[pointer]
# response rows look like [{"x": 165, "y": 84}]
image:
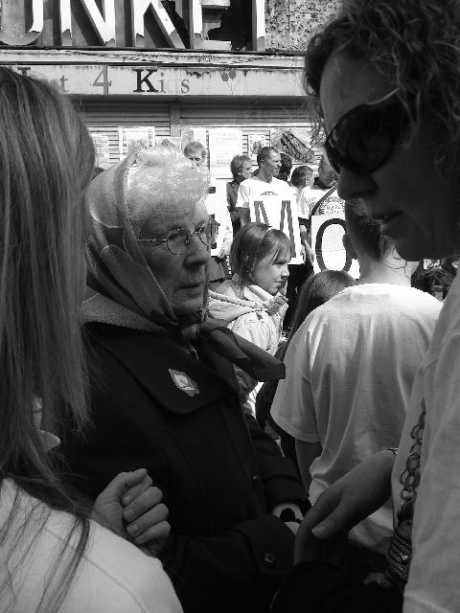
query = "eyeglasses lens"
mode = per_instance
[{"x": 179, "y": 240}]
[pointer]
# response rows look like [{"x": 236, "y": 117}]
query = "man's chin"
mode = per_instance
[{"x": 414, "y": 251}]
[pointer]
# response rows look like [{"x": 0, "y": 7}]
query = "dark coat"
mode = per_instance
[{"x": 220, "y": 474}]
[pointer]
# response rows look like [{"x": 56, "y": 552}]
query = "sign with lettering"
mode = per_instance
[
  {"x": 112, "y": 23},
  {"x": 224, "y": 143},
  {"x": 101, "y": 149},
  {"x": 151, "y": 80},
  {"x": 280, "y": 214},
  {"x": 327, "y": 241}
]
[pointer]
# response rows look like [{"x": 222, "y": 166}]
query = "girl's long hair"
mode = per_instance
[{"x": 46, "y": 162}]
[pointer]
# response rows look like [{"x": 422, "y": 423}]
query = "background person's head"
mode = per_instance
[
  {"x": 364, "y": 234},
  {"x": 395, "y": 69},
  {"x": 159, "y": 253},
  {"x": 317, "y": 290},
  {"x": 240, "y": 167},
  {"x": 302, "y": 176},
  {"x": 196, "y": 153},
  {"x": 285, "y": 168},
  {"x": 269, "y": 163},
  {"x": 260, "y": 255}
]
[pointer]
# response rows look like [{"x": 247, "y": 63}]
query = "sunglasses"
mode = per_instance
[{"x": 365, "y": 137}]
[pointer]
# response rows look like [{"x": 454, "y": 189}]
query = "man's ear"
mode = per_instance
[{"x": 347, "y": 245}]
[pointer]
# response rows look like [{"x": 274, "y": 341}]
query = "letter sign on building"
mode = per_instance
[{"x": 103, "y": 20}]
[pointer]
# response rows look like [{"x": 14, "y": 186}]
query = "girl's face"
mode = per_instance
[{"x": 271, "y": 274}]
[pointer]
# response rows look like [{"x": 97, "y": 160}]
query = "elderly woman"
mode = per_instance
[
  {"x": 164, "y": 393},
  {"x": 387, "y": 78}
]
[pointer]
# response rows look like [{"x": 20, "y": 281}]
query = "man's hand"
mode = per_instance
[{"x": 344, "y": 504}]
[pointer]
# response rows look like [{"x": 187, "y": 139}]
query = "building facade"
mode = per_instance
[{"x": 226, "y": 72}]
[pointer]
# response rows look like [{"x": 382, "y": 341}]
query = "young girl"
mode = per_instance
[{"x": 252, "y": 302}]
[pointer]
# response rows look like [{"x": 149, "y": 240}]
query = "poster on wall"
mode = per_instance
[
  {"x": 139, "y": 136},
  {"x": 190, "y": 134},
  {"x": 327, "y": 242},
  {"x": 101, "y": 149},
  {"x": 255, "y": 144},
  {"x": 295, "y": 142},
  {"x": 280, "y": 214},
  {"x": 224, "y": 144}
]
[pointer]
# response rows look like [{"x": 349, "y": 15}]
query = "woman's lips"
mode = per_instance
[{"x": 391, "y": 222}]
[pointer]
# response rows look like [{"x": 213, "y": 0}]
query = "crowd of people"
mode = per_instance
[{"x": 167, "y": 443}]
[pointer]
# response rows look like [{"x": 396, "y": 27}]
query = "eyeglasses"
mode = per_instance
[
  {"x": 365, "y": 137},
  {"x": 178, "y": 240}
]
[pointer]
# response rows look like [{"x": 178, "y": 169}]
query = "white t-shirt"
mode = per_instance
[
  {"x": 112, "y": 577},
  {"x": 253, "y": 189},
  {"x": 349, "y": 373},
  {"x": 434, "y": 584}
]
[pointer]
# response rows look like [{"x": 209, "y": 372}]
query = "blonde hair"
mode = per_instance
[{"x": 46, "y": 162}]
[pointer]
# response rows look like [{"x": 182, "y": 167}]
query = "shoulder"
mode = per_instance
[
  {"x": 112, "y": 575},
  {"x": 116, "y": 576}
]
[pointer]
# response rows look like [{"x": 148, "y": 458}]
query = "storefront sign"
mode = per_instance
[
  {"x": 22, "y": 22},
  {"x": 125, "y": 80}
]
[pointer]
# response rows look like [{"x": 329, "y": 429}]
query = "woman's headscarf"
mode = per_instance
[{"x": 122, "y": 289}]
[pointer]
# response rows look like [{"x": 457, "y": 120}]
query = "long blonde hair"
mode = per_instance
[{"x": 46, "y": 162}]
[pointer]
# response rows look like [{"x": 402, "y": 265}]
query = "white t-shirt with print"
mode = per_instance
[
  {"x": 253, "y": 189},
  {"x": 112, "y": 577},
  {"x": 434, "y": 584},
  {"x": 349, "y": 373}
]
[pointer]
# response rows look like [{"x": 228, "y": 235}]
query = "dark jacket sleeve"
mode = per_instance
[
  {"x": 279, "y": 475},
  {"x": 237, "y": 570}
]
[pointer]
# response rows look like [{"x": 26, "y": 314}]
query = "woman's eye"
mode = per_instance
[{"x": 176, "y": 234}]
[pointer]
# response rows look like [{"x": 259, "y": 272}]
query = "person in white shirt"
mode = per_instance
[
  {"x": 53, "y": 557},
  {"x": 264, "y": 186},
  {"x": 350, "y": 369}
]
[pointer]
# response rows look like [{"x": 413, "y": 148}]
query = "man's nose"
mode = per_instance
[{"x": 352, "y": 185}]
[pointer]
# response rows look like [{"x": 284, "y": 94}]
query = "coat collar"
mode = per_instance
[{"x": 174, "y": 378}]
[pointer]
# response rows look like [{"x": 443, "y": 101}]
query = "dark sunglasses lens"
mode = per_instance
[{"x": 365, "y": 138}]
